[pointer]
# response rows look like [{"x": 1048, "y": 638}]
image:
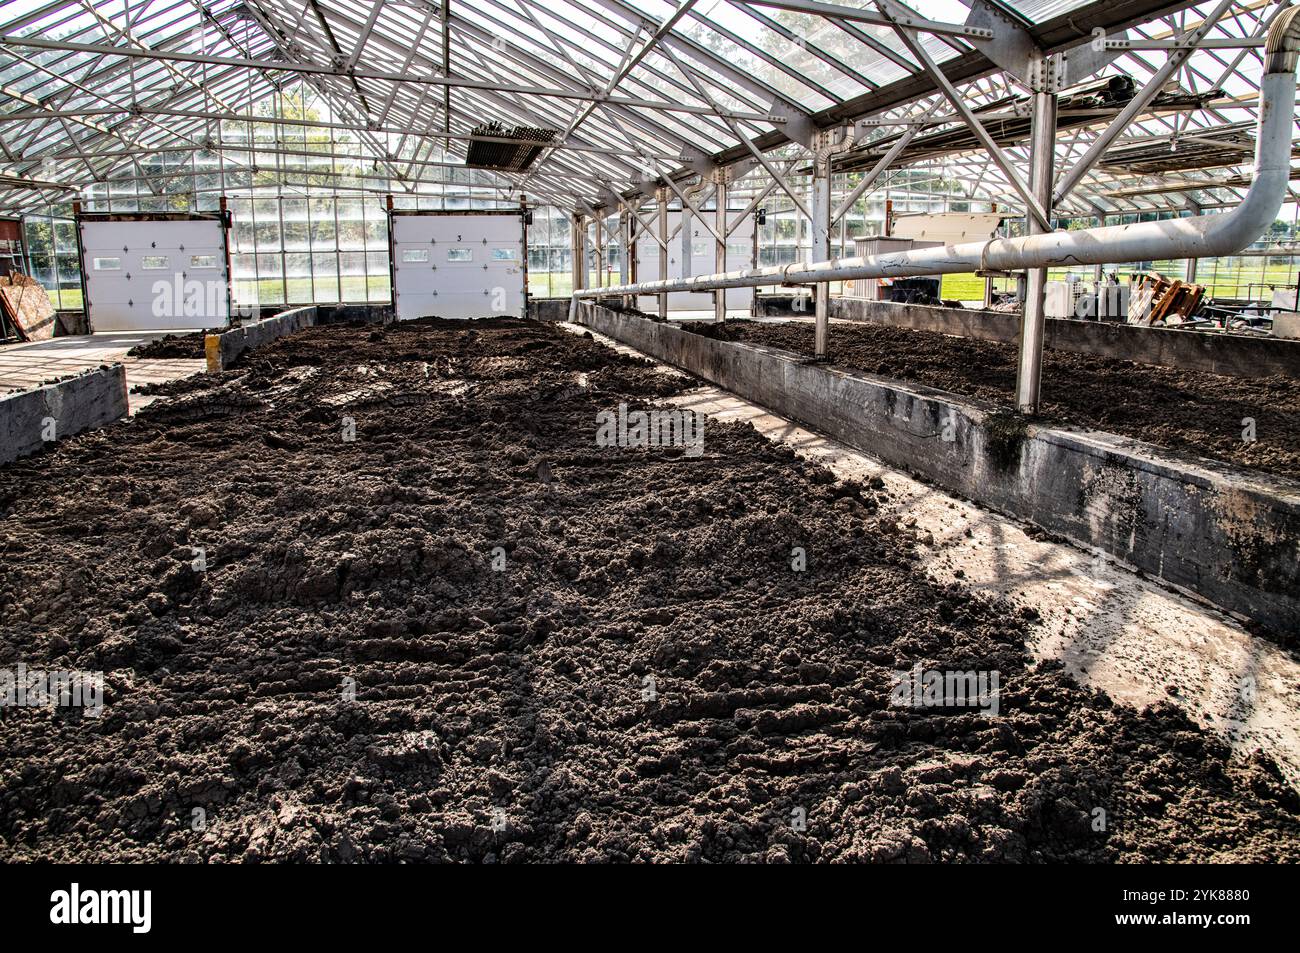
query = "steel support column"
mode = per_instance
[
  {"x": 578, "y": 251},
  {"x": 629, "y": 256},
  {"x": 687, "y": 238},
  {"x": 1189, "y": 267},
  {"x": 661, "y": 196},
  {"x": 1042, "y": 161},
  {"x": 720, "y": 242},
  {"x": 821, "y": 248},
  {"x": 1098, "y": 275},
  {"x": 988, "y": 280},
  {"x": 624, "y": 238}
]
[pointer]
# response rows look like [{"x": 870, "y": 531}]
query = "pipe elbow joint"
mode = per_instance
[{"x": 1282, "y": 44}]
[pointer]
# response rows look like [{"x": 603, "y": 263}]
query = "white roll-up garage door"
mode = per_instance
[
  {"x": 145, "y": 273},
  {"x": 458, "y": 264}
]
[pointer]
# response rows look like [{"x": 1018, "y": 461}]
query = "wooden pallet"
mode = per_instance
[
  {"x": 1156, "y": 299},
  {"x": 27, "y": 305}
]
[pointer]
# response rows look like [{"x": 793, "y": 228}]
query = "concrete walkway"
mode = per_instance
[{"x": 31, "y": 364}]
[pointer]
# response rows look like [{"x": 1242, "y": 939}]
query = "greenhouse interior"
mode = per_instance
[{"x": 652, "y": 431}]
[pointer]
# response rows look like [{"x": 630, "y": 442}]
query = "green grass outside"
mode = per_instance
[
  {"x": 560, "y": 284},
  {"x": 353, "y": 289},
  {"x": 69, "y": 299}
]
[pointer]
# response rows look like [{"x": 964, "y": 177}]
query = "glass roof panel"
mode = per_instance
[{"x": 580, "y": 66}]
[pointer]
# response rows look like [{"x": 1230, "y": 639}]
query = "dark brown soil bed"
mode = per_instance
[
  {"x": 1187, "y": 411},
  {"x": 348, "y": 677},
  {"x": 172, "y": 346}
]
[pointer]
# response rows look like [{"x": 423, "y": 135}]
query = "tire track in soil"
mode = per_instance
[{"x": 477, "y": 690}]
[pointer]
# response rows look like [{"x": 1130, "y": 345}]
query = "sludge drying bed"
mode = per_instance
[
  {"x": 471, "y": 633},
  {"x": 1186, "y": 411}
]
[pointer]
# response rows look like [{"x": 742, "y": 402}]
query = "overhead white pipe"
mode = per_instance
[{"x": 1203, "y": 236}]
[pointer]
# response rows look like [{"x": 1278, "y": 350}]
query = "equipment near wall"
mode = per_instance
[
  {"x": 1062, "y": 299},
  {"x": 13, "y": 253},
  {"x": 946, "y": 228},
  {"x": 1286, "y": 319},
  {"x": 13, "y": 260},
  {"x": 1084, "y": 300},
  {"x": 877, "y": 289},
  {"x": 1157, "y": 300},
  {"x": 1108, "y": 302},
  {"x": 914, "y": 291}
]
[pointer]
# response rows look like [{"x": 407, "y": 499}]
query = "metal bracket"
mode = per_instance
[
  {"x": 796, "y": 123},
  {"x": 1012, "y": 47},
  {"x": 611, "y": 197},
  {"x": 696, "y": 162},
  {"x": 1079, "y": 62},
  {"x": 1009, "y": 44}
]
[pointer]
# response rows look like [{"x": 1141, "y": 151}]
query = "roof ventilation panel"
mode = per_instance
[{"x": 514, "y": 156}]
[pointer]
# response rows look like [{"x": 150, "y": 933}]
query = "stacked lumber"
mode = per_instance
[
  {"x": 1156, "y": 299},
  {"x": 27, "y": 306}
]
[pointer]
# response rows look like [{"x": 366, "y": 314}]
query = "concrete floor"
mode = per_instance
[
  {"x": 1113, "y": 630},
  {"x": 31, "y": 364}
]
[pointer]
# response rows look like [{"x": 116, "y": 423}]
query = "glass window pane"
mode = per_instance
[{"x": 325, "y": 274}]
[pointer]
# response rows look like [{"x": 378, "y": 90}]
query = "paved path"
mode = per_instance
[{"x": 32, "y": 364}]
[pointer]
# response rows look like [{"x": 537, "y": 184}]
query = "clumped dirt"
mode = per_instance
[
  {"x": 172, "y": 347},
  {"x": 1187, "y": 411},
  {"x": 645, "y": 678}
]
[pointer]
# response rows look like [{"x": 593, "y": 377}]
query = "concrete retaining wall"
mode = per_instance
[
  {"x": 1234, "y": 355},
  {"x": 548, "y": 309},
  {"x": 354, "y": 314},
  {"x": 1230, "y": 535},
  {"x": 224, "y": 349},
  {"x": 89, "y": 400}
]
